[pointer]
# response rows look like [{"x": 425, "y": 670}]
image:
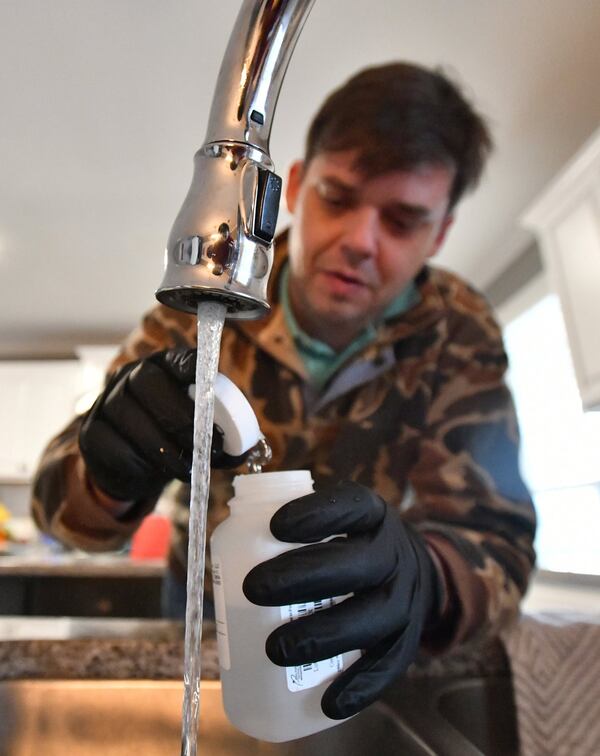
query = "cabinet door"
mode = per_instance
[
  {"x": 37, "y": 399},
  {"x": 55, "y": 596},
  {"x": 566, "y": 219},
  {"x": 574, "y": 256}
]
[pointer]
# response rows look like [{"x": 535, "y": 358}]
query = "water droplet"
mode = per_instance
[
  {"x": 356, "y": 498},
  {"x": 332, "y": 500}
]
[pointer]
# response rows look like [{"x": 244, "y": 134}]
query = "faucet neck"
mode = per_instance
[{"x": 252, "y": 71}]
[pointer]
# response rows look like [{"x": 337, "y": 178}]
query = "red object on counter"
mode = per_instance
[{"x": 151, "y": 539}]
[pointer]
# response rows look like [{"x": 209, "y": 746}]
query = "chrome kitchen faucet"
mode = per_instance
[{"x": 220, "y": 246}]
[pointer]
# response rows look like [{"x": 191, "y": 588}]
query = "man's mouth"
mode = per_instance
[
  {"x": 347, "y": 278},
  {"x": 343, "y": 283}
]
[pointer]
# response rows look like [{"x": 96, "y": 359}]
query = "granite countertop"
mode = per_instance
[
  {"x": 45, "y": 562},
  {"x": 73, "y": 648}
]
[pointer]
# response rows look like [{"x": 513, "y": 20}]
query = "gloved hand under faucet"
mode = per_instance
[
  {"x": 138, "y": 435},
  {"x": 382, "y": 561}
]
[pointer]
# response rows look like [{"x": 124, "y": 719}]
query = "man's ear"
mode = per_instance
[
  {"x": 440, "y": 238},
  {"x": 295, "y": 175}
]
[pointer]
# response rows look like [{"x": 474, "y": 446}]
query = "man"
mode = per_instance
[{"x": 382, "y": 375}]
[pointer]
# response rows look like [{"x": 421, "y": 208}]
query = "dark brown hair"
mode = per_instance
[{"x": 400, "y": 116}]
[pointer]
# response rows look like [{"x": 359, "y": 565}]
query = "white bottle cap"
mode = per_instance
[{"x": 234, "y": 416}]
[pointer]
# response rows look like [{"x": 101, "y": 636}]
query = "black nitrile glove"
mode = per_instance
[
  {"x": 382, "y": 561},
  {"x": 138, "y": 435}
]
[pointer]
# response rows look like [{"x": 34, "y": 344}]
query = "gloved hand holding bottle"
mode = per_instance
[
  {"x": 138, "y": 435},
  {"x": 380, "y": 560}
]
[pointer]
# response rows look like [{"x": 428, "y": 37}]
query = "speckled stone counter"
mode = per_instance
[
  {"x": 99, "y": 649},
  {"x": 46, "y": 562},
  {"x": 146, "y": 649}
]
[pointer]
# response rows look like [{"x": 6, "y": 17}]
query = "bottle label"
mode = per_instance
[
  {"x": 307, "y": 676},
  {"x": 220, "y": 615}
]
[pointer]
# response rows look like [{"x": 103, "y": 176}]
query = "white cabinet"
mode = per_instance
[
  {"x": 566, "y": 220},
  {"x": 37, "y": 398}
]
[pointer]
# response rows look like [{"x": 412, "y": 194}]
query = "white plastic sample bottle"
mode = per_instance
[{"x": 263, "y": 700}]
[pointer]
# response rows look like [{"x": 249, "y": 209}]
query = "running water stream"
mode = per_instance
[{"x": 211, "y": 316}]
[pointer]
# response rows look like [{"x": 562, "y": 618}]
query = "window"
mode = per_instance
[{"x": 560, "y": 443}]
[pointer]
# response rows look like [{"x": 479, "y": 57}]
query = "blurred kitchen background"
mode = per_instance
[{"x": 103, "y": 104}]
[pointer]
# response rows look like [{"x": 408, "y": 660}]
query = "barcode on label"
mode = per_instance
[
  {"x": 295, "y": 611},
  {"x": 305, "y": 676}
]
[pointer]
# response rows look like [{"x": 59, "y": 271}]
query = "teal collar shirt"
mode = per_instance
[{"x": 322, "y": 361}]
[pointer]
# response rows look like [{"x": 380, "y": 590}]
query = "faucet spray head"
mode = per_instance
[{"x": 220, "y": 246}]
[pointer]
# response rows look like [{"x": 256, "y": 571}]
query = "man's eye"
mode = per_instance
[
  {"x": 332, "y": 198},
  {"x": 401, "y": 226}
]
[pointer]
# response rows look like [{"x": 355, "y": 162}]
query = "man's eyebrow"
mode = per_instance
[
  {"x": 414, "y": 212},
  {"x": 337, "y": 183}
]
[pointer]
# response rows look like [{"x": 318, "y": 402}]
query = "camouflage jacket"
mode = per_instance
[{"x": 422, "y": 415}]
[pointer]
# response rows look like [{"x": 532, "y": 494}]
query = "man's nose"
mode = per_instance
[{"x": 361, "y": 231}]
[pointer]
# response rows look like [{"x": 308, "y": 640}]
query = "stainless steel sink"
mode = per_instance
[
  {"x": 446, "y": 716},
  {"x": 126, "y": 718},
  {"x": 436, "y": 716},
  {"x": 460, "y": 706}
]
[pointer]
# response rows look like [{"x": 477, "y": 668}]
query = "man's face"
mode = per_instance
[{"x": 356, "y": 243}]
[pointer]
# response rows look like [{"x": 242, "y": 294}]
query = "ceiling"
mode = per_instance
[{"x": 104, "y": 102}]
